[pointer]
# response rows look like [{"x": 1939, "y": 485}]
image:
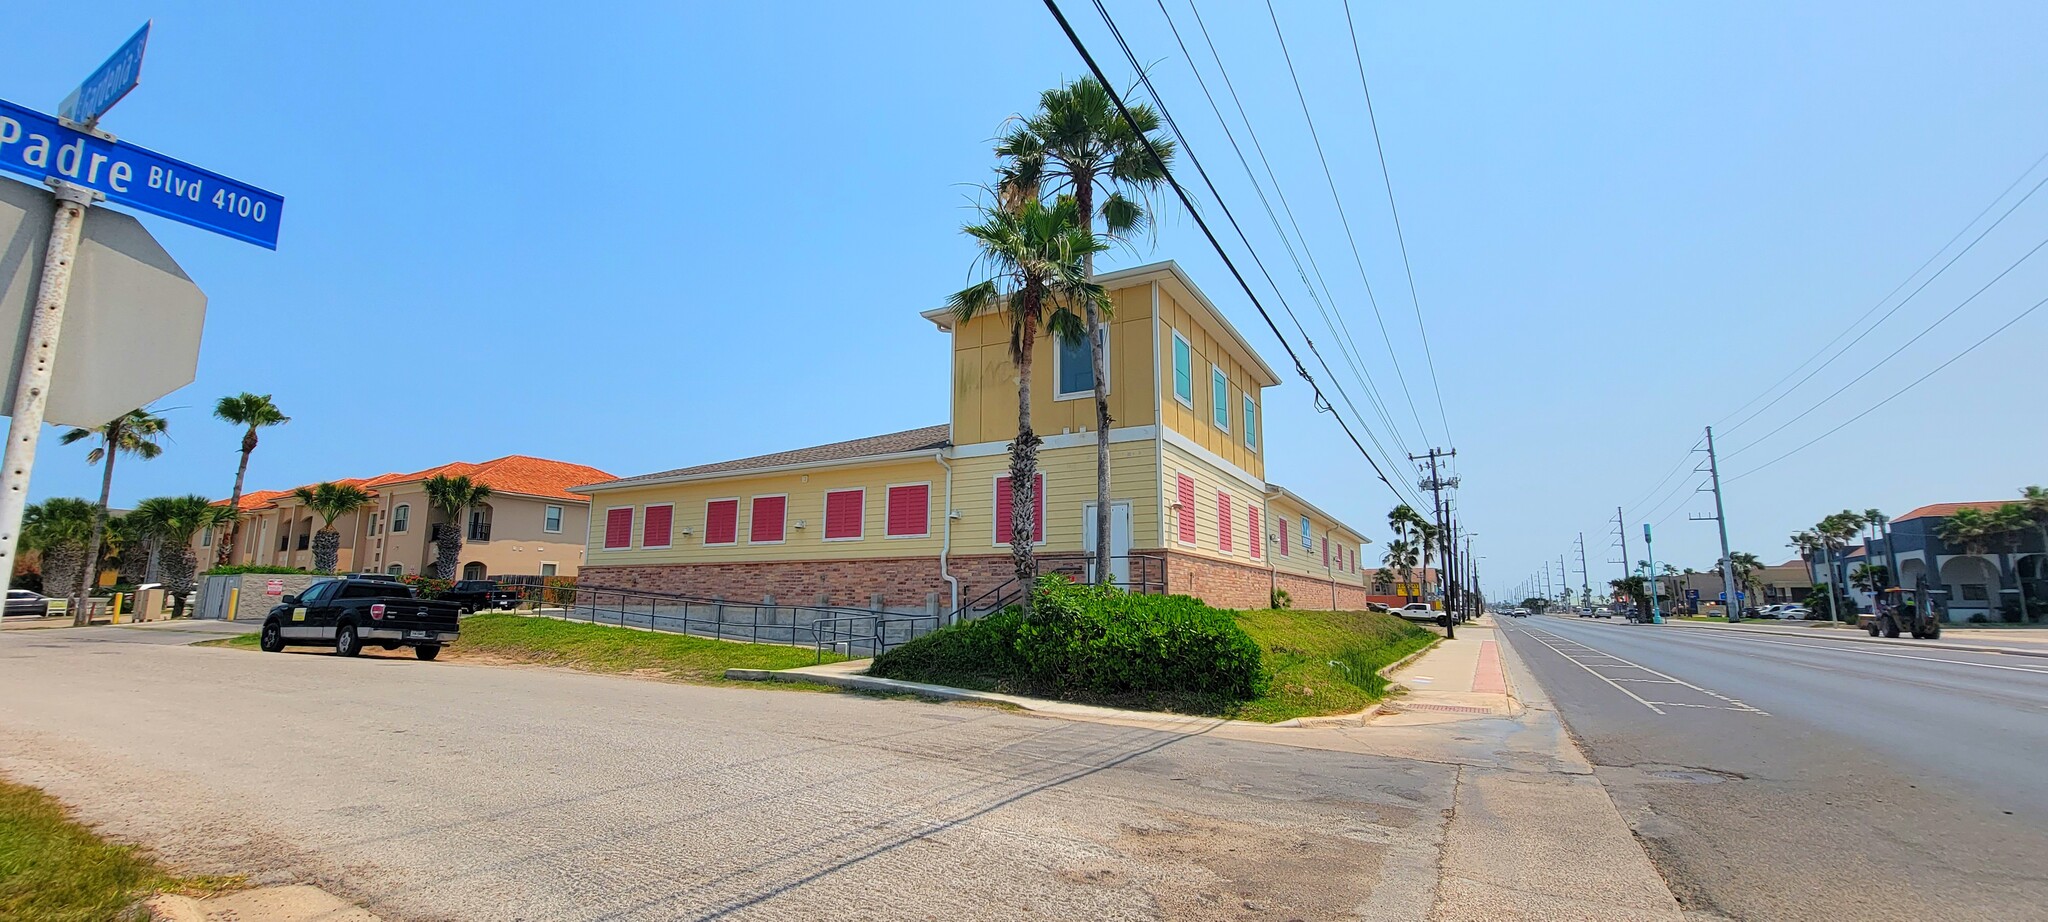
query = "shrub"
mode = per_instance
[
  {"x": 1095, "y": 643},
  {"x": 973, "y": 654},
  {"x": 1979, "y": 618},
  {"x": 1281, "y": 600},
  {"x": 232, "y": 569},
  {"x": 1102, "y": 641},
  {"x": 429, "y": 587}
]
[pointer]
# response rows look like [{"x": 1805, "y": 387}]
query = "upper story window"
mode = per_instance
[
  {"x": 1308, "y": 543},
  {"x": 480, "y": 522},
  {"x": 722, "y": 522},
  {"x": 373, "y": 524},
  {"x": 656, "y": 523},
  {"x": 910, "y": 508},
  {"x": 400, "y": 517},
  {"x": 1251, "y": 423},
  {"x": 846, "y": 514},
  {"x": 551, "y": 521},
  {"x": 1074, "y": 368},
  {"x": 1219, "y": 397},
  {"x": 765, "y": 520},
  {"x": 1183, "y": 370}
]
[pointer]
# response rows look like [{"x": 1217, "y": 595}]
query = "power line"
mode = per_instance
[
  {"x": 1188, "y": 203},
  {"x": 1357, "y": 367},
  {"x": 1902, "y": 302},
  {"x": 1666, "y": 478},
  {"x": 1387, "y": 176},
  {"x": 1895, "y": 352},
  {"x": 1915, "y": 383},
  {"x": 1342, "y": 217}
]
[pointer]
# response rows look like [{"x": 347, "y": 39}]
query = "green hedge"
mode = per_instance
[
  {"x": 232, "y": 569},
  {"x": 1094, "y": 643}
]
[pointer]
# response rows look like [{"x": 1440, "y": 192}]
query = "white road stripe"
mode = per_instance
[
  {"x": 1655, "y": 706},
  {"x": 1847, "y": 647}
]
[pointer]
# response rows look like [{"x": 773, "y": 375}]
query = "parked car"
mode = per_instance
[
  {"x": 480, "y": 594},
  {"x": 351, "y": 611},
  {"x": 1794, "y": 613},
  {"x": 23, "y": 603}
]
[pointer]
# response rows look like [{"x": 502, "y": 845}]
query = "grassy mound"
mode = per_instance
[
  {"x": 54, "y": 869},
  {"x": 1326, "y": 662}
]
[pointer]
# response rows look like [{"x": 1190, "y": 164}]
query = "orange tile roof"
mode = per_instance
[
  {"x": 1944, "y": 510},
  {"x": 520, "y": 474}
]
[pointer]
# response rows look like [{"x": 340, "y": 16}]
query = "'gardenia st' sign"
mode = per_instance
[{"x": 39, "y": 147}]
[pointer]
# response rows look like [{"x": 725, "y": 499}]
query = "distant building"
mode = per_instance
[
  {"x": 532, "y": 525},
  {"x": 1981, "y": 582}
]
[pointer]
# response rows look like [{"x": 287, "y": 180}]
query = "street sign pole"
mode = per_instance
[
  {"x": 1656, "y": 607},
  {"x": 38, "y": 359}
]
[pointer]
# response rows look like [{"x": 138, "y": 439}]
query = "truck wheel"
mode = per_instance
[
  {"x": 1891, "y": 629},
  {"x": 272, "y": 638},
  {"x": 426, "y": 652},
  {"x": 1934, "y": 633},
  {"x": 346, "y": 643},
  {"x": 1874, "y": 629}
]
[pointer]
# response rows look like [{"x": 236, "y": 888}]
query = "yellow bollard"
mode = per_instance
[
  {"x": 234, "y": 602},
  {"x": 115, "y": 618}
]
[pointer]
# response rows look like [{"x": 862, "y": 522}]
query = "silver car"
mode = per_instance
[{"x": 25, "y": 604}]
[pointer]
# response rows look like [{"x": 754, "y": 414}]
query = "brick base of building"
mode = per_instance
[
  {"x": 1232, "y": 585},
  {"x": 913, "y": 584},
  {"x": 901, "y": 584}
]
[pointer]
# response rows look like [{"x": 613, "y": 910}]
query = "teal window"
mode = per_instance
[
  {"x": 1183, "y": 370},
  {"x": 1251, "y": 423},
  {"x": 1074, "y": 368},
  {"x": 1219, "y": 394}
]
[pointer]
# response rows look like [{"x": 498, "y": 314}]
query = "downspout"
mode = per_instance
[{"x": 946, "y": 535}]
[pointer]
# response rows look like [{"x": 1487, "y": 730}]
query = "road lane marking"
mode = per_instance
[
  {"x": 1728, "y": 704},
  {"x": 1820, "y": 645}
]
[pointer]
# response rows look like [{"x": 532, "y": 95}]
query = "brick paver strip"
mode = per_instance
[{"x": 1488, "y": 678}]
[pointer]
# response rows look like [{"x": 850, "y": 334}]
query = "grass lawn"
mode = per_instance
[
  {"x": 502, "y": 636},
  {"x": 1325, "y": 662},
  {"x": 54, "y": 869}
]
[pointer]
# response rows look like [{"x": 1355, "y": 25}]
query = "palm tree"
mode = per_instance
[
  {"x": 254, "y": 411},
  {"x": 2035, "y": 500},
  {"x": 1745, "y": 565},
  {"x": 1869, "y": 577},
  {"x": 1400, "y": 558},
  {"x": 57, "y": 529},
  {"x": 1077, "y": 141},
  {"x": 1032, "y": 262},
  {"x": 1968, "y": 529},
  {"x": 132, "y": 433},
  {"x": 1426, "y": 535},
  {"x": 452, "y": 496},
  {"x": 175, "y": 520},
  {"x": 2009, "y": 525},
  {"x": 332, "y": 501}
]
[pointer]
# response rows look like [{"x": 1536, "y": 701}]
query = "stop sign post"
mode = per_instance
[{"x": 82, "y": 165}]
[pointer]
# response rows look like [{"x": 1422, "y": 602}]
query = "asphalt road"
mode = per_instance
[
  {"x": 1775, "y": 777},
  {"x": 452, "y": 791}
]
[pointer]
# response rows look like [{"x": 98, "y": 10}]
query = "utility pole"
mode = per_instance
[
  {"x": 1720, "y": 517},
  {"x": 1564, "y": 581},
  {"x": 1585, "y": 580},
  {"x": 1656, "y": 607},
  {"x": 1435, "y": 484}
]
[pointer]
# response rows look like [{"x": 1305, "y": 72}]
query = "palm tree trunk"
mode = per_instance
[
  {"x": 1023, "y": 471},
  {"x": 79, "y": 615},
  {"x": 224, "y": 552},
  {"x": 1084, "y": 199}
]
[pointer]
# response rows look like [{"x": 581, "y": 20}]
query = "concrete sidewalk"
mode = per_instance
[
  {"x": 1531, "y": 833},
  {"x": 1457, "y": 679}
]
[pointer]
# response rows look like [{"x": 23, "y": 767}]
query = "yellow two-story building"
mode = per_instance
[{"x": 918, "y": 520}]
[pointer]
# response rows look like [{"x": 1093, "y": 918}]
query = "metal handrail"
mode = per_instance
[
  {"x": 1147, "y": 576},
  {"x": 754, "y": 622}
]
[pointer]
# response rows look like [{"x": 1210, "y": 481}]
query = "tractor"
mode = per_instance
[{"x": 1904, "y": 611}]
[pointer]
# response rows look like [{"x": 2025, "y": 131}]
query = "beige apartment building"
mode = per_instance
[{"x": 532, "y": 525}]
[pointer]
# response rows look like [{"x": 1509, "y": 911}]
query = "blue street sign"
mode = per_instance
[
  {"x": 1738, "y": 596},
  {"x": 108, "y": 83},
  {"x": 1692, "y": 595},
  {"x": 36, "y": 146}
]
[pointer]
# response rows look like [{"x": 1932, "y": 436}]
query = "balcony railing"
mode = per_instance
[{"x": 479, "y": 531}]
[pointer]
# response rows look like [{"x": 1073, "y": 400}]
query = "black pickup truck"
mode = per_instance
[
  {"x": 353, "y": 611},
  {"x": 480, "y": 594}
]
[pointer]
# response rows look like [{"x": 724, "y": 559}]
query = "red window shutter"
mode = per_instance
[
  {"x": 1286, "y": 535},
  {"x": 722, "y": 521},
  {"x": 844, "y": 510},
  {"x": 1003, "y": 509},
  {"x": 1253, "y": 534},
  {"x": 1326, "y": 555},
  {"x": 1225, "y": 539},
  {"x": 765, "y": 522},
  {"x": 654, "y": 528},
  {"x": 910, "y": 510},
  {"x": 1185, "y": 487},
  {"x": 618, "y": 528}
]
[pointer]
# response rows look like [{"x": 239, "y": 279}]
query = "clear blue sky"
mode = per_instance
[{"x": 1624, "y": 221}]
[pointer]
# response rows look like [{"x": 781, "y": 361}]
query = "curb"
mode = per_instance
[{"x": 1886, "y": 641}]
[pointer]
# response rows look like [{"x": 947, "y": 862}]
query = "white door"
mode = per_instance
[{"x": 1119, "y": 541}]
